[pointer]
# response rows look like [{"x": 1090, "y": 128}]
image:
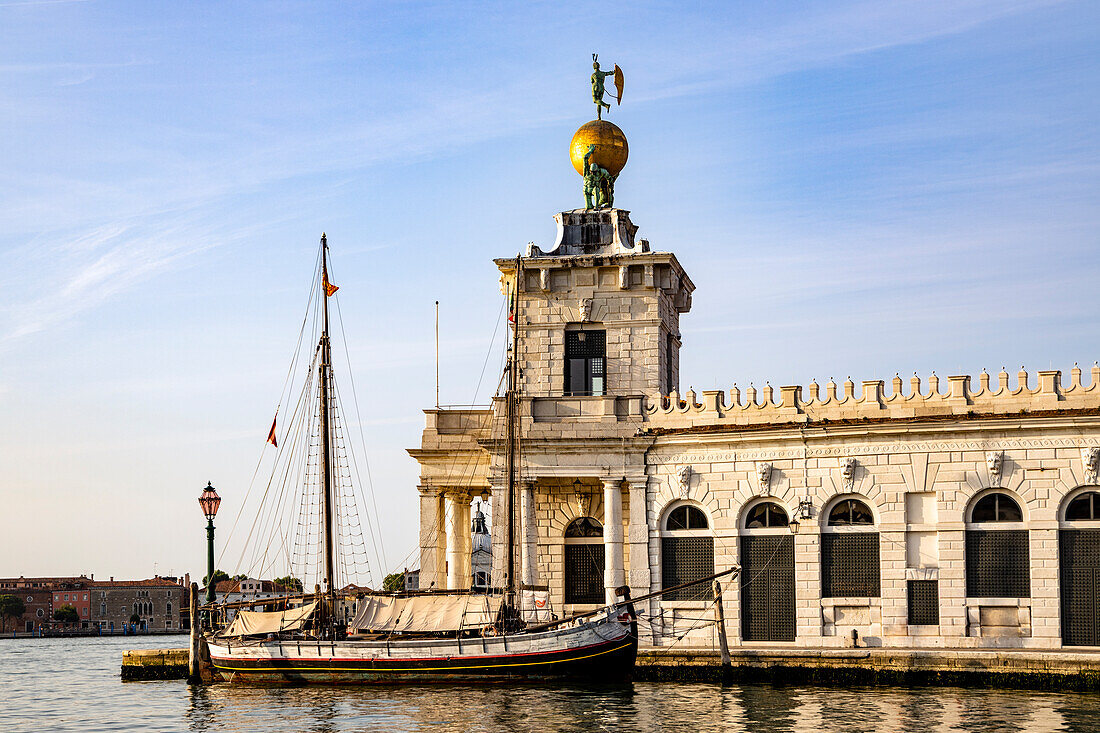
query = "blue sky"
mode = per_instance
[{"x": 856, "y": 188}]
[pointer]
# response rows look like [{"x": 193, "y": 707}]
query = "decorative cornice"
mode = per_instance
[{"x": 960, "y": 401}]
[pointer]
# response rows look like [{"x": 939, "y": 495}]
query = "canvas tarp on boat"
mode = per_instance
[
  {"x": 247, "y": 623},
  {"x": 426, "y": 613},
  {"x": 534, "y": 606}
]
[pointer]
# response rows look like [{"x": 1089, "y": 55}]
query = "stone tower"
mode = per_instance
[{"x": 599, "y": 312}]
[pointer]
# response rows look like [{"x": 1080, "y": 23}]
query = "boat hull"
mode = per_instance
[{"x": 603, "y": 651}]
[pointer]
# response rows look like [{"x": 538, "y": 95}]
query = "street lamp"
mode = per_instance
[{"x": 209, "y": 501}]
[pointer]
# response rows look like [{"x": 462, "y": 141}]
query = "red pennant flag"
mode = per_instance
[
  {"x": 329, "y": 287},
  {"x": 271, "y": 433}
]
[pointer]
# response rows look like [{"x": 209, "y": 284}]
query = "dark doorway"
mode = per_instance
[
  {"x": 767, "y": 587},
  {"x": 1079, "y": 550}
]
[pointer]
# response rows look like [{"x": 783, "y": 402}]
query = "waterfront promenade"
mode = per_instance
[{"x": 1039, "y": 670}]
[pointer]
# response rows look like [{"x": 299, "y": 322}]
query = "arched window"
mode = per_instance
[
  {"x": 765, "y": 515},
  {"x": 687, "y": 553},
  {"x": 584, "y": 527},
  {"x": 686, "y": 517},
  {"x": 998, "y": 560},
  {"x": 996, "y": 507},
  {"x": 1084, "y": 507},
  {"x": 584, "y": 561},
  {"x": 850, "y": 566},
  {"x": 850, "y": 512}
]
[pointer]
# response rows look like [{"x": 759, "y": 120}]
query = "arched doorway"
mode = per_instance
[
  {"x": 584, "y": 559},
  {"x": 687, "y": 553},
  {"x": 1079, "y": 555},
  {"x": 767, "y": 574}
]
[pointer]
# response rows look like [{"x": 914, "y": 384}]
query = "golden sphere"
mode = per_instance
[{"x": 611, "y": 149}]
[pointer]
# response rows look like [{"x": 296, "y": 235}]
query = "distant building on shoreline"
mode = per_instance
[{"x": 110, "y": 605}]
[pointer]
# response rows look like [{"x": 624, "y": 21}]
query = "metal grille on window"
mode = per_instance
[
  {"x": 684, "y": 559},
  {"x": 584, "y": 344},
  {"x": 924, "y": 602},
  {"x": 767, "y": 588},
  {"x": 997, "y": 563},
  {"x": 849, "y": 565},
  {"x": 1079, "y": 551},
  {"x": 584, "y": 573}
]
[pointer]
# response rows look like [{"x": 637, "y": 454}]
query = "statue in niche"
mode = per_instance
[{"x": 599, "y": 185}]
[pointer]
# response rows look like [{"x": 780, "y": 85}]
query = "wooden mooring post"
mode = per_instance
[
  {"x": 200, "y": 668},
  {"x": 720, "y": 622}
]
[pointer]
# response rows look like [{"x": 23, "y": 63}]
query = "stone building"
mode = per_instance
[
  {"x": 938, "y": 512},
  {"x": 38, "y": 596},
  {"x": 155, "y": 601}
]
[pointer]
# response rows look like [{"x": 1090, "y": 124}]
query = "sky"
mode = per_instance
[{"x": 857, "y": 188}]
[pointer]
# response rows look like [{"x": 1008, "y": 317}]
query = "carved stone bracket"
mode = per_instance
[
  {"x": 1090, "y": 459},
  {"x": 849, "y": 473},
  {"x": 683, "y": 477},
  {"x": 586, "y": 309},
  {"x": 764, "y": 474},
  {"x": 994, "y": 461}
]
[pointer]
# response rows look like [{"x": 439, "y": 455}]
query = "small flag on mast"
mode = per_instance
[
  {"x": 329, "y": 287},
  {"x": 271, "y": 433}
]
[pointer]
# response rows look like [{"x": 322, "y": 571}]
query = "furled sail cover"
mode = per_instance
[
  {"x": 534, "y": 605},
  {"x": 247, "y": 623},
  {"x": 426, "y": 613}
]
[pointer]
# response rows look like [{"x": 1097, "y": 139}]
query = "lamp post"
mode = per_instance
[{"x": 209, "y": 501}]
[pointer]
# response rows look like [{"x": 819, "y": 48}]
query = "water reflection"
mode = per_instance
[
  {"x": 639, "y": 706},
  {"x": 74, "y": 685}
]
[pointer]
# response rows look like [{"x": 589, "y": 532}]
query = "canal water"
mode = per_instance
[{"x": 74, "y": 685}]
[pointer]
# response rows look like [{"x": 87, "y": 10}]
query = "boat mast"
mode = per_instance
[
  {"x": 327, "y": 471},
  {"x": 510, "y": 400}
]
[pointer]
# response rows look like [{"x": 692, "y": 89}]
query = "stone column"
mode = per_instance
[
  {"x": 529, "y": 534},
  {"x": 613, "y": 575},
  {"x": 457, "y": 512},
  {"x": 637, "y": 537},
  {"x": 431, "y": 538}
]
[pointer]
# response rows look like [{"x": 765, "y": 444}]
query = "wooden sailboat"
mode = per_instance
[{"x": 423, "y": 637}]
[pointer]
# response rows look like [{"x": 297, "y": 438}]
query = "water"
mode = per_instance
[{"x": 74, "y": 685}]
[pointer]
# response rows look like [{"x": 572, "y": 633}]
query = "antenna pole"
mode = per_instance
[
  {"x": 437, "y": 354},
  {"x": 326, "y": 439}
]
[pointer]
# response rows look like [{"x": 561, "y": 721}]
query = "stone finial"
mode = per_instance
[
  {"x": 994, "y": 461},
  {"x": 764, "y": 473},
  {"x": 1090, "y": 458},
  {"x": 849, "y": 473},
  {"x": 683, "y": 477}
]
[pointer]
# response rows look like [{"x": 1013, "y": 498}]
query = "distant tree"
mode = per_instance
[
  {"x": 219, "y": 575},
  {"x": 289, "y": 581},
  {"x": 393, "y": 583},
  {"x": 66, "y": 615},
  {"x": 10, "y": 607},
  {"x": 235, "y": 577}
]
